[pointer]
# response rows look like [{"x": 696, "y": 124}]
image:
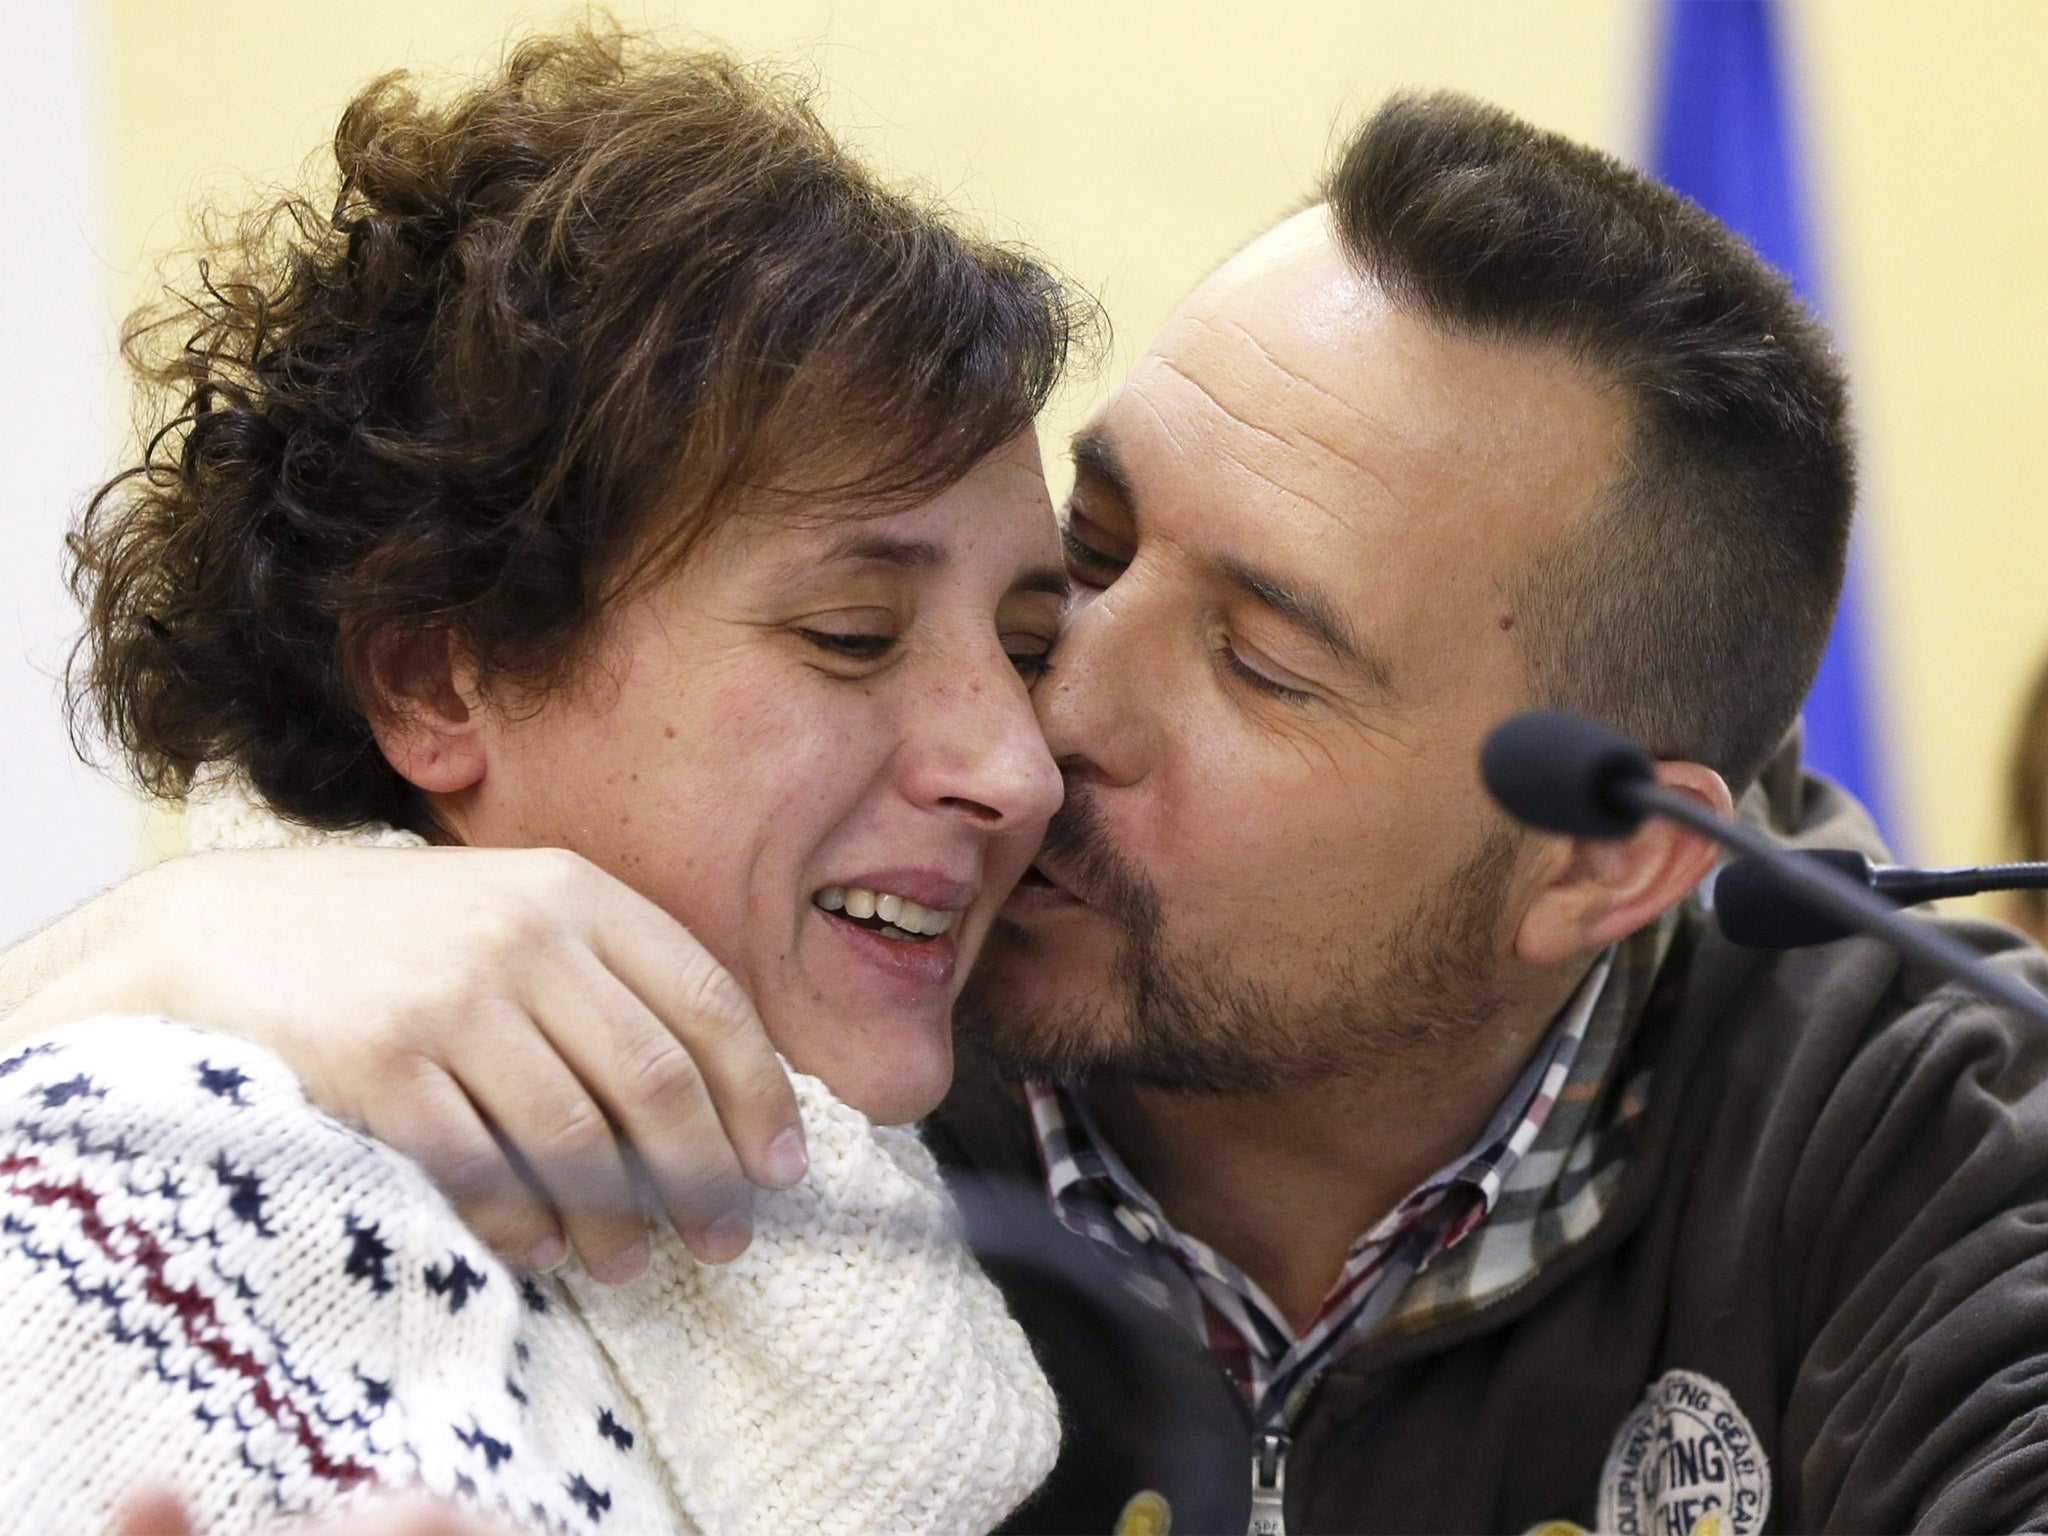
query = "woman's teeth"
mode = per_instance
[{"x": 895, "y": 916}]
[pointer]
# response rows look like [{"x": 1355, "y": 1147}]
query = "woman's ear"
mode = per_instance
[
  {"x": 427, "y": 713},
  {"x": 1602, "y": 890}
]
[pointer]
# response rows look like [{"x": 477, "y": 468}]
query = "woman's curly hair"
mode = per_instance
[{"x": 550, "y": 331}]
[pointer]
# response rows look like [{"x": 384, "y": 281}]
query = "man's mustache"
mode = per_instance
[{"x": 1078, "y": 843}]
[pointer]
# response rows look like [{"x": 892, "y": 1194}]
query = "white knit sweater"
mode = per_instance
[{"x": 206, "y": 1281}]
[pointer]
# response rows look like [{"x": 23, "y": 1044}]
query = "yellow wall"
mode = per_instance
[
  {"x": 1137, "y": 142},
  {"x": 1933, "y": 145}
]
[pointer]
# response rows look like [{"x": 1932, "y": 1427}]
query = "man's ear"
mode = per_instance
[
  {"x": 1602, "y": 890},
  {"x": 426, "y": 712}
]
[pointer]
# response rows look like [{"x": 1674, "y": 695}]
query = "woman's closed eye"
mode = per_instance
[
  {"x": 1031, "y": 655},
  {"x": 854, "y": 645}
]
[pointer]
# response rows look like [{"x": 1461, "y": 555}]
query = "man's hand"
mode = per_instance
[
  {"x": 160, "y": 1513},
  {"x": 546, "y": 1042}
]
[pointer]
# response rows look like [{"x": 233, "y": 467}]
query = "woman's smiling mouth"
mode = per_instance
[
  {"x": 906, "y": 922},
  {"x": 884, "y": 912}
]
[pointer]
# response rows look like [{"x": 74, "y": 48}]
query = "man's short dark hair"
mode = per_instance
[{"x": 1691, "y": 608}]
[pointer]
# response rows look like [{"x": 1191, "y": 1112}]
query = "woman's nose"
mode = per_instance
[{"x": 979, "y": 753}]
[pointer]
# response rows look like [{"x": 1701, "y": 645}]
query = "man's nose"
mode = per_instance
[
  {"x": 979, "y": 754},
  {"x": 1096, "y": 708}
]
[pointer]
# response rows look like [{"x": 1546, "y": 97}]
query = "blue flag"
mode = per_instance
[{"x": 1724, "y": 139}]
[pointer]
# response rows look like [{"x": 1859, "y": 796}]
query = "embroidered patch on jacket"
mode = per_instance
[{"x": 1684, "y": 1461}]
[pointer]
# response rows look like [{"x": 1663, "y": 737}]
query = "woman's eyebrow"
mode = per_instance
[
  {"x": 880, "y": 549},
  {"x": 1049, "y": 579},
  {"x": 927, "y": 555}
]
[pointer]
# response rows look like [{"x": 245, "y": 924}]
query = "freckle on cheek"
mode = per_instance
[
  {"x": 669, "y": 731},
  {"x": 1507, "y": 622}
]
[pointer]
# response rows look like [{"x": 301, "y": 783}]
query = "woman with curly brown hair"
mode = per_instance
[{"x": 618, "y": 468}]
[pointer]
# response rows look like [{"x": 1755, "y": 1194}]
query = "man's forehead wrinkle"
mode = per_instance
[
  {"x": 1243, "y": 463},
  {"x": 1214, "y": 399},
  {"x": 1174, "y": 442},
  {"x": 1267, "y": 356},
  {"x": 1293, "y": 435},
  {"x": 1166, "y": 427},
  {"x": 1358, "y": 414},
  {"x": 1284, "y": 489}
]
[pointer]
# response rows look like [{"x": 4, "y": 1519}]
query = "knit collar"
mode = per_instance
[{"x": 223, "y": 811}]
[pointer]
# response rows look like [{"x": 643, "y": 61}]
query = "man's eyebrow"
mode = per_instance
[
  {"x": 1315, "y": 615},
  {"x": 1096, "y": 456}
]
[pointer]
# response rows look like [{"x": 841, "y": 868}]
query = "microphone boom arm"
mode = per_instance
[
  {"x": 1917, "y": 885},
  {"x": 1838, "y": 898}
]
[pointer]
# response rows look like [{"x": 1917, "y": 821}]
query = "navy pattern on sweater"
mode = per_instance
[{"x": 269, "y": 1311}]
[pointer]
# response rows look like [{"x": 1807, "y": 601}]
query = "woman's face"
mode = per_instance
[{"x": 814, "y": 747}]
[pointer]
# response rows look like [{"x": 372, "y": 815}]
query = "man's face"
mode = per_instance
[{"x": 1295, "y": 526}]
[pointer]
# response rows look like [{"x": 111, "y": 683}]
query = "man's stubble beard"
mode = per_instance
[{"x": 1179, "y": 1022}]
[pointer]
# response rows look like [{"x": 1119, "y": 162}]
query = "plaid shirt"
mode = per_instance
[{"x": 1095, "y": 1195}]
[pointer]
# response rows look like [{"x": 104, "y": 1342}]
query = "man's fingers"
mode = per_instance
[
  {"x": 562, "y": 1138},
  {"x": 654, "y": 1093},
  {"x": 705, "y": 1010},
  {"x": 429, "y": 1118}
]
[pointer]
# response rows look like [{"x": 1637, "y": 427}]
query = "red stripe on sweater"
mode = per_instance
[{"x": 195, "y": 1311}]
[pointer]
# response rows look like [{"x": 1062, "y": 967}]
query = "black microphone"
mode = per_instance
[
  {"x": 1559, "y": 772},
  {"x": 1754, "y": 908}
]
